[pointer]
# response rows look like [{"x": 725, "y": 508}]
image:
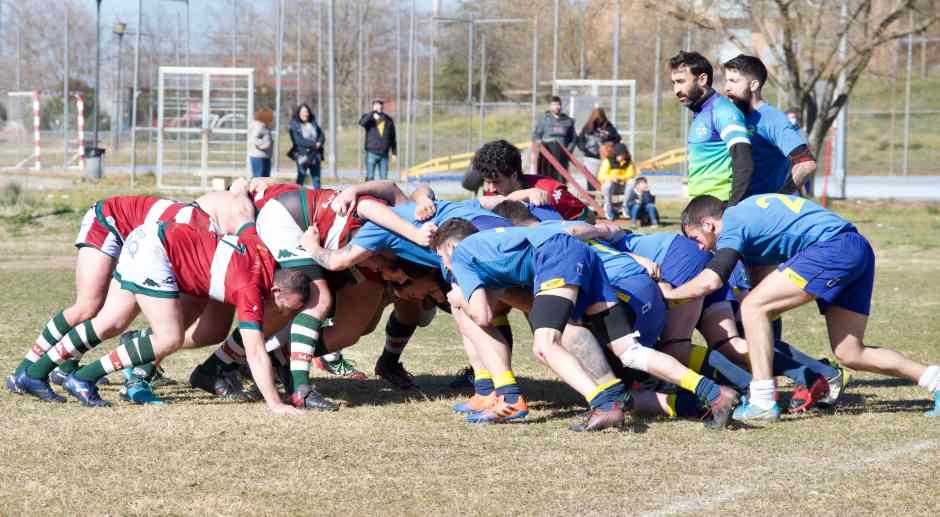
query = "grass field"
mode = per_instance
[{"x": 384, "y": 454}]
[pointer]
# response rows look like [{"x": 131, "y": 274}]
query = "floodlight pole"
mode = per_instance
[
  {"x": 279, "y": 51},
  {"x": 331, "y": 82},
  {"x": 613, "y": 105},
  {"x": 94, "y": 140},
  {"x": 140, "y": 8},
  {"x": 65, "y": 96},
  {"x": 555, "y": 51},
  {"x": 119, "y": 29}
]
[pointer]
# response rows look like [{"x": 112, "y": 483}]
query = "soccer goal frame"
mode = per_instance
[
  {"x": 203, "y": 115},
  {"x": 617, "y": 97},
  {"x": 35, "y": 99}
]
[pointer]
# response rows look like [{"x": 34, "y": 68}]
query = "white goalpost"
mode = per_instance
[
  {"x": 22, "y": 136},
  {"x": 18, "y": 128}
]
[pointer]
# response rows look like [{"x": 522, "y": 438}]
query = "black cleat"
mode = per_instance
[
  {"x": 396, "y": 375},
  {"x": 308, "y": 398},
  {"x": 463, "y": 379}
]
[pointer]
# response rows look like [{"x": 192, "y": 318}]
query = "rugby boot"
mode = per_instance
[
  {"x": 38, "y": 388},
  {"x": 476, "y": 403},
  {"x": 805, "y": 398},
  {"x": 936, "y": 405},
  {"x": 85, "y": 392},
  {"x": 139, "y": 391},
  {"x": 159, "y": 378},
  {"x": 722, "y": 408},
  {"x": 136, "y": 388},
  {"x": 340, "y": 367},
  {"x": 10, "y": 384},
  {"x": 837, "y": 385},
  {"x": 220, "y": 385},
  {"x": 58, "y": 378},
  {"x": 748, "y": 412},
  {"x": 305, "y": 397},
  {"x": 396, "y": 375},
  {"x": 598, "y": 419},
  {"x": 501, "y": 412},
  {"x": 463, "y": 379}
]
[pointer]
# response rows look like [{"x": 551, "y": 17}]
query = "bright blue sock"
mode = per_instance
[
  {"x": 608, "y": 395},
  {"x": 721, "y": 369},
  {"x": 811, "y": 367}
]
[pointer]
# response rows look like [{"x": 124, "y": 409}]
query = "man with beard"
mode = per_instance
[
  {"x": 719, "y": 151},
  {"x": 782, "y": 160}
]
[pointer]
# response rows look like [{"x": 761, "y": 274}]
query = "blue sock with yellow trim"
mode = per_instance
[
  {"x": 604, "y": 396},
  {"x": 482, "y": 382},
  {"x": 703, "y": 388},
  {"x": 684, "y": 404},
  {"x": 505, "y": 384}
]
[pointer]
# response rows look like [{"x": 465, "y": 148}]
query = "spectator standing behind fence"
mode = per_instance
[
  {"x": 641, "y": 204},
  {"x": 614, "y": 173},
  {"x": 596, "y": 131},
  {"x": 260, "y": 144},
  {"x": 307, "y": 148},
  {"x": 554, "y": 131},
  {"x": 380, "y": 140}
]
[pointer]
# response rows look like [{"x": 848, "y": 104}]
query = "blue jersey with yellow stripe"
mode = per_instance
[
  {"x": 772, "y": 228},
  {"x": 499, "y": 258}
]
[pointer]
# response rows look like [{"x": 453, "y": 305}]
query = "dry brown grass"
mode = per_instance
[{"x": 383, "y": 454}]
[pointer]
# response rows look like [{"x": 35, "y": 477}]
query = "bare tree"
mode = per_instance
[{"x": 803, "y": 37}]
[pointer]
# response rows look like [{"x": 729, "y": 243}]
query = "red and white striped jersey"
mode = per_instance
[
  {"x": 123, "y": 214},
  {"x": 261, "y": 197},
  {"x": 312, "y": 207},
  {"x": 234, "y": 269}
]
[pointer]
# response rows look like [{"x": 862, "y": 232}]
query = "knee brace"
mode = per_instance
[
  {"x": 637, "y": 357},
  {"x": 549, "y": 311},
  {"x": 612, "y": 324}
]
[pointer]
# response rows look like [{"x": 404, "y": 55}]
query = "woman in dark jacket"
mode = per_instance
[
  {"x": 307, "y": 148},
  {"x": 596, "y": 131}
]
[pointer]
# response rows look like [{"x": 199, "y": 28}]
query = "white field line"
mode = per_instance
[{"x": 697, "y": 504}]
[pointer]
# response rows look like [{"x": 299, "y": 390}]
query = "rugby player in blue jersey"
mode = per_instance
[
  {"x": 782, "y": 159},
  {"x": 570, "y": 285},
  {"x": 821, "y": 256}
]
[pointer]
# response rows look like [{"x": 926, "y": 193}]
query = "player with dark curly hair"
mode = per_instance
[{"x": 499, "y": 163}]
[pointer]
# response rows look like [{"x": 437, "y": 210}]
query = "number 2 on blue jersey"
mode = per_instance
[{"x": 795, "y": 204}]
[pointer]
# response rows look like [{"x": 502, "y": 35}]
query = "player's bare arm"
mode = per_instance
[
  {"x": 333, "y": 260},
  {"x": 263, "y": 373},
  {"x": 490, "y": 202},
  {"x": 385, "y": 217},
  {"x": 535, "y": 196},
  {"x": 703, "y": 284}
]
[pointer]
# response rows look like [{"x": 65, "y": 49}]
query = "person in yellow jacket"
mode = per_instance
[{"x": 614, "y": 173}]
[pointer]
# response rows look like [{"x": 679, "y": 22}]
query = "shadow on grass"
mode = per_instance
[
  {"x": 539, "y": 393},
  {"x": 882, "y": 382}
]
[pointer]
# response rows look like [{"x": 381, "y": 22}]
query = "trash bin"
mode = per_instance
[{"x": 94, "y": 163}]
